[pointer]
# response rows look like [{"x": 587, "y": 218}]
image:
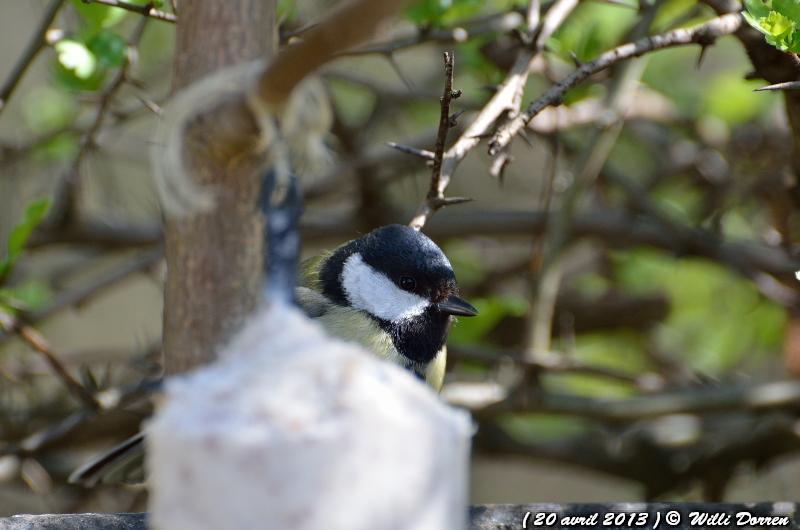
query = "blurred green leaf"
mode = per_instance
[
  {"x": 592, "y": 29},
  {"x": 542, "y": 428},
  {"x": 718, "y": 319},
  {"x": 778, "y": 20},
  {"x": 76, "y": 58},
  {"x": 442, "y": 12},
  {"x": 287, "y": 10},
  {"x": 97, "y": 16},
  {"x": 467, "y": 262},
  {"x": 731, "y": 98},
  {"x": 491, "y": 311},
  {"x": 21, "y": 232},
  {"x": 60, "y": 148},
  {"x": 47, "y": 109},
  {"x": 670, "y": 12},
  {"x": 109, "y": 48},
  {"x": 30, "y": 295}
]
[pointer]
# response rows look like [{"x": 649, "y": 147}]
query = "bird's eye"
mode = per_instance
[{"x": 407, "y": 283}]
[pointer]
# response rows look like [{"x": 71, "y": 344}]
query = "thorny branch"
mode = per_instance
[
  {"x": 435, "y": 198},
  {"x": 704, "y": 34},
  {"x": 508, "y": 95}
]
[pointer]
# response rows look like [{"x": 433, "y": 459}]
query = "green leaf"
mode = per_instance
[
  {"x": 75, "y": 57},
  {"x": 788, "y": 8},
  {"x": 58, "y": 149},
  {"x": 778, "y": 20},
  {"x": 47, "y": 109},
  {"x": 98, "y": 16},
  {"x": 30, "y": 295},
  {"x": 20, "y": 234},
  {"x": 109, "y": 48},
  {"x": 732, "y": 99},
  {"x": 442, "y": 12},
  {"x": 492, "y": 310},
  {"x": 756, "y": 9}
]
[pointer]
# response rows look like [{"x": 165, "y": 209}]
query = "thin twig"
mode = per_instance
[
  {"x": 507, "y": 98},
  {"x": 409, "y": 150},
  {"x": 703, "y": 34},
  {"x": 493, "y": 23},
  {"x": 10, "y": 324},
  {"x": 35, "y": 45},
  {"x": 64, "y": 204},
  {"x": 435, "y": 199},
  {"x": 146, "y": 10}
]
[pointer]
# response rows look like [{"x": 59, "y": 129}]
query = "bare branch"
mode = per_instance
[
  {"x": 779, "y": 395},
  {"x": 146, "y": 10},
  {"x": 435, "y": 198},
  {"x": 494, "y": 23},
  {"x": 36, "y": 43},
  {"x": 703, "y": 34},
  {"x": 10, "y": 324},
  {"x": 348, "y": 26},
  {"x": 507, "y": 99}
]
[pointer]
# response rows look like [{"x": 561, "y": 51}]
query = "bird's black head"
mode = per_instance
[{"x": 404, "y": 281}]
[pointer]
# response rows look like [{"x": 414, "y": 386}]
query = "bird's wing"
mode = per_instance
[{"x": 121, "y": 463}]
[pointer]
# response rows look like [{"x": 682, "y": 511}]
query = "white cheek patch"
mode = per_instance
[{"x": 371, "y": 291}]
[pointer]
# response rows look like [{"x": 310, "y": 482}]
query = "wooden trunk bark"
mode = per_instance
[{"x": 214, "y": 260}]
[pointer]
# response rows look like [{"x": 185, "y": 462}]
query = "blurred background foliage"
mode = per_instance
[{"x": 708, "y": 152}]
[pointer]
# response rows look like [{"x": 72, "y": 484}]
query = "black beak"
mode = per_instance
[{"x": 457, "y": 306}]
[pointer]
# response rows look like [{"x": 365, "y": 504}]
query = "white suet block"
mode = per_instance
[{"x": 294, "y": 429}]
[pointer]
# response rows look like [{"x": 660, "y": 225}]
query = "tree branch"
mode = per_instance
[
  {"x": 10, "y": 324},
  {"x": 146, "y": 10},
  {"x": 704, "y": 34},
  {"x": 36, "y": 43},
  {"x": 435, "y": 198},
  {"x": 508, "y": 96}
]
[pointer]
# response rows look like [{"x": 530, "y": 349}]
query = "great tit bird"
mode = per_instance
[{"x": 392, "y": 291}]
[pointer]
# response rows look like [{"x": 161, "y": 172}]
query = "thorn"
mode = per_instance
[
  {"x": 577, "y": 62},
  {"x": 789, "y": 85},
  {"x": 407, "y": 149},
  {"x": 498, "y": 165},
  {"x": 524, "y": 135},
  {"x": 702, "y": 55},
  {"x": 453, "y": 120},
  {"x": 450, "y": 201}
]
